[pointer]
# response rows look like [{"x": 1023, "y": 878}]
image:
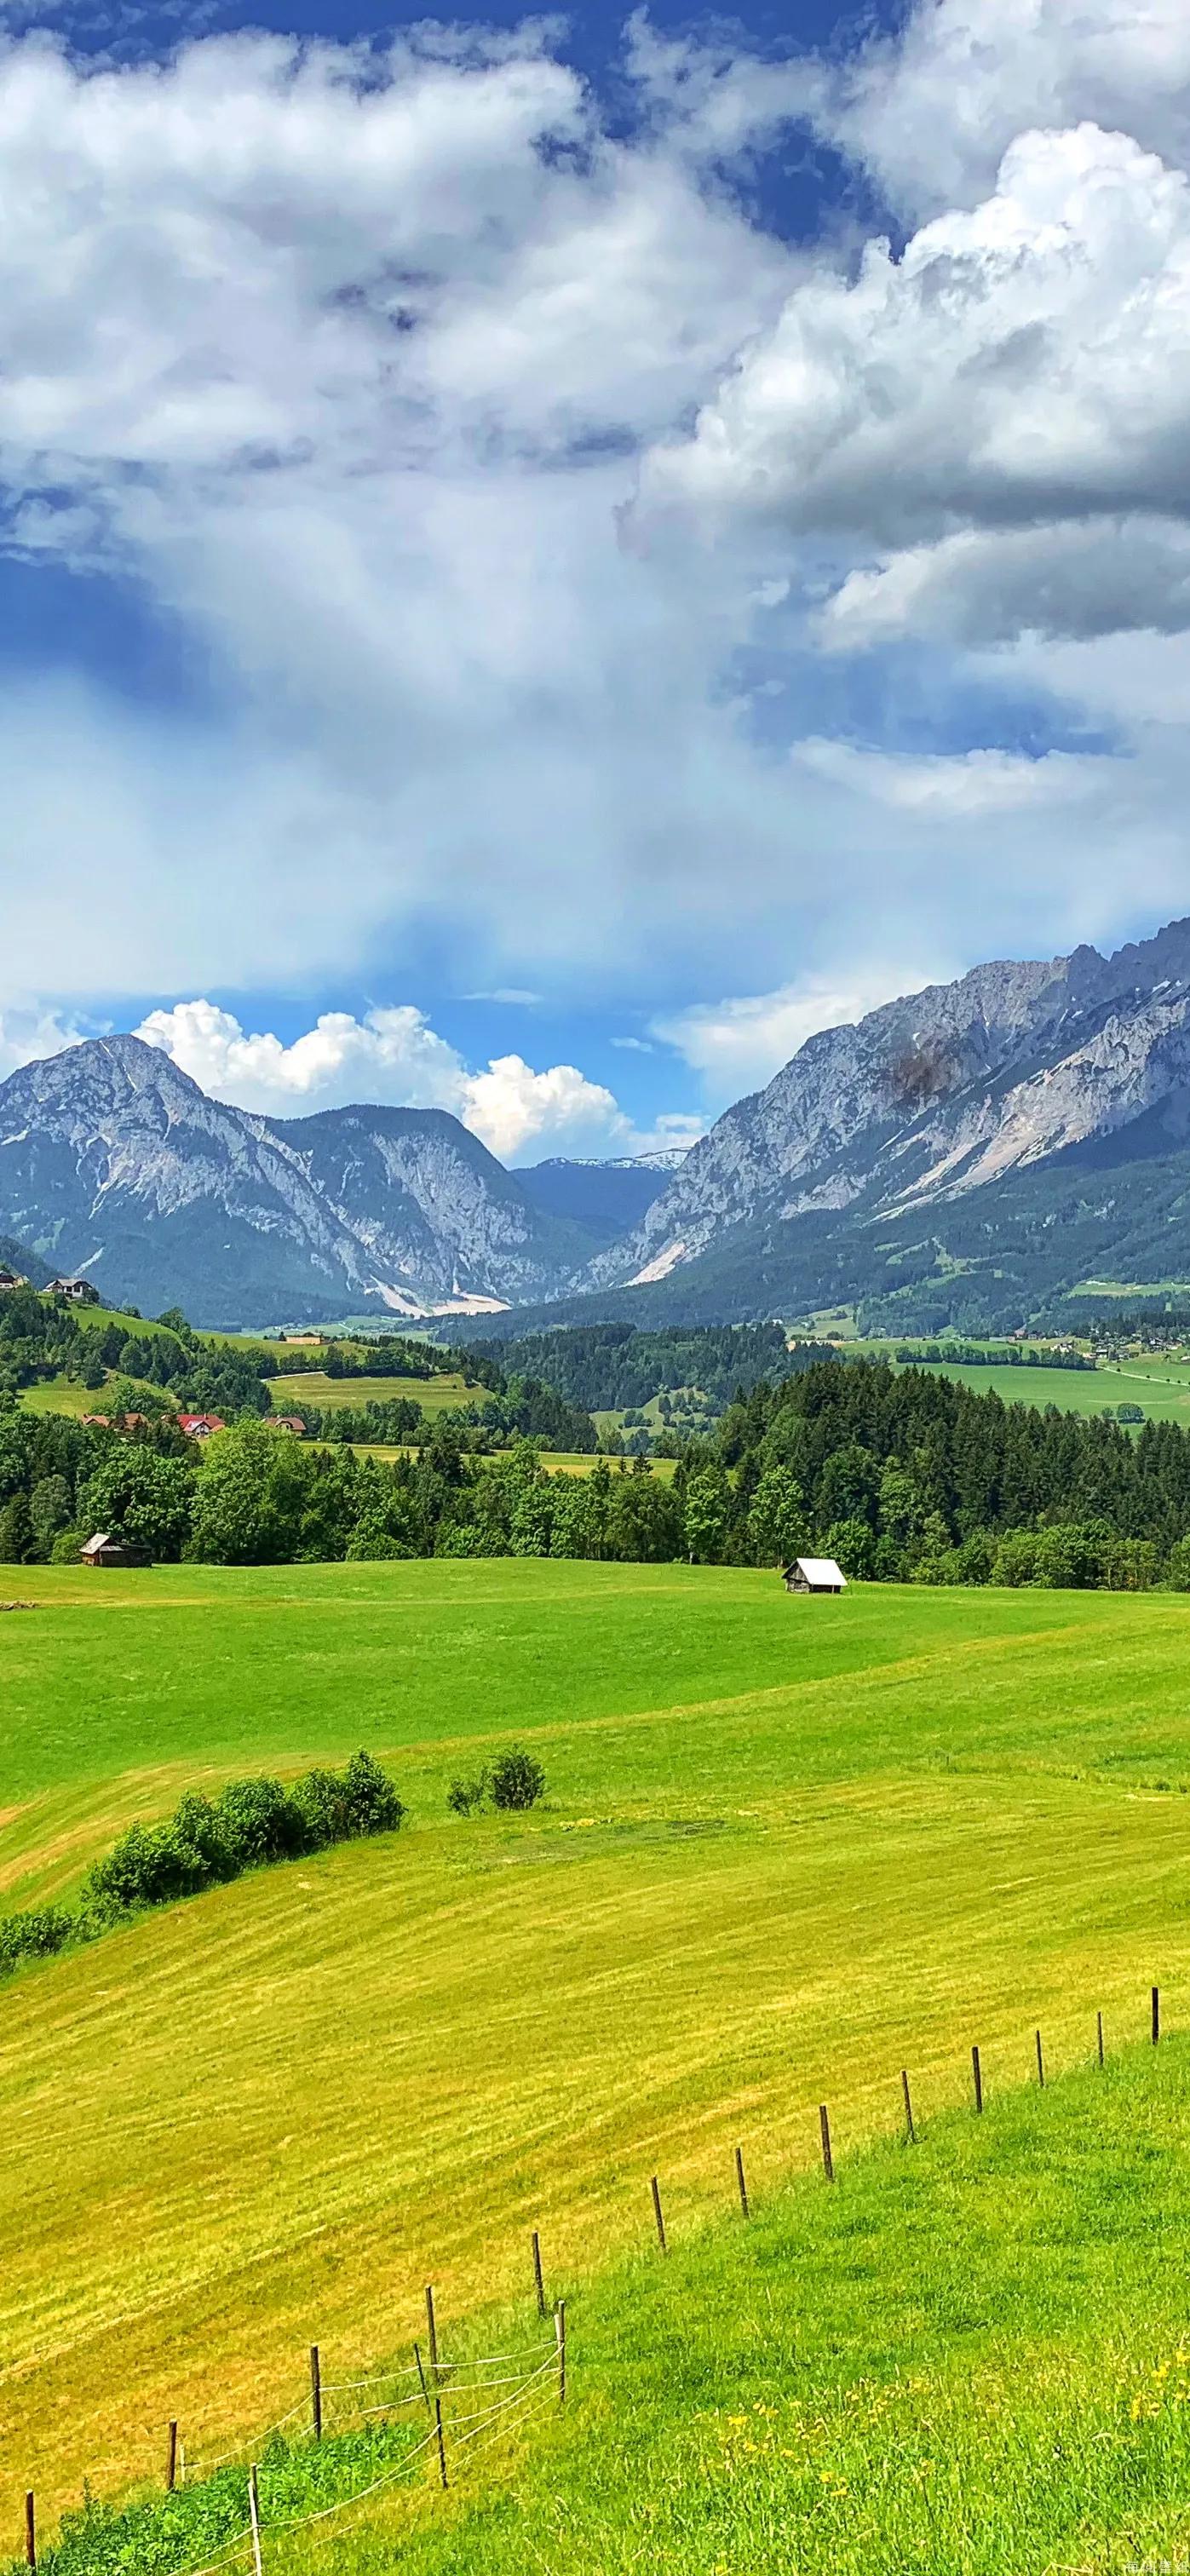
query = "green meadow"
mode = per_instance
[
  {"x": 787, "y": 1848},
  {"x": 1163, "y": 1391},
  {"x": 968, "y": 2353},
  {"x": 333, "y": 1394}
]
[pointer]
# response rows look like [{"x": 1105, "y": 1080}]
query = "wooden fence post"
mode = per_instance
[
  {"x": 824, "y": 2130},
  {"x": 432, "y": 2326},
  {"x": 30, "y": 2529},
  {"x": 977, "y": 2079},
  {"x": 422, "y": 2376},
  {"x": 316, "y": 2392},
  {"x": 560, "y": 2340},
  {"x": 740, "y": 2182},
  {"x": 441, "y": 2437},
  {"x": 540, "y": 2285},
  {"x": 656, "y": 2191},
  {"x": 910, "y": 2131},
  {"x": 171, "y": 2457},
  {"x": 254, "y": 2515},
  {"x": 1156, "y": 2014},
  {"x": 1040, "y": 2060},
  {"x": 1099, "y": 2034}
]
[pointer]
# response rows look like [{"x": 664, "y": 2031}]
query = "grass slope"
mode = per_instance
[
  {"x": 332, "y": 1394},
  {"x": 969, "y": 2354},
  {"x": 789, "y": 1847}
]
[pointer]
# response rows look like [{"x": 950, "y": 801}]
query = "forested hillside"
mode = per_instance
[{"x": 605, "y": 1366}]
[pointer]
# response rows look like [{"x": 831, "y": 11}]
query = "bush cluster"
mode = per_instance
[
  {"x": 209, "y": 1840},
  {"x": 515, "y": 1782},
  {"x": 35, "y": 1935},
  {"x": 206, "y": 1842}
]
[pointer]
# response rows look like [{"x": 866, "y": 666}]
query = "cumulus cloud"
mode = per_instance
[
  {"x": 372, "y": 382},
  {"x": 958, "y": 784},
  {"x": 27, "y": 1035},
  {"x": 931, "y": 111},
  {"x": 343, "y": 366},
  {"x": 1026, "y": 362},
  {"x": 392, "y": 1055}
]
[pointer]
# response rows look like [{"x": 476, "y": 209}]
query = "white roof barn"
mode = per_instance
[{"x": 813, "y": 1574}]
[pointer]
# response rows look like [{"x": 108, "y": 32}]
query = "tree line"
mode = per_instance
[{"x": 901, "y": 1476}]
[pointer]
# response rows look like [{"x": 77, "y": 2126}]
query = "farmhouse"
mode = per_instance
[
  {"x": 813, "y": 1574},
  {"x": 12, "y": 1279},
  {"x": 200, "y": 1426},
  {"x": 103, "y": 1550},
  {"x": 286, "y": 1422},
  {"x": 78, "y": 1292}
]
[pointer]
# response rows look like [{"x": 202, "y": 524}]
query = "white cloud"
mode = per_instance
[
  {"x": 1023, "y": 363},
  {"x": 29, "y": 1034},
  {"x": 512, "y": 1107},
  {"x": 738, "y": 1045},
  {"x": 1118, "y": 576},
  {"x": 349, "y": 372},
  {"x": 343, "y": 365},
  {"x": 392, "y": 1056},
  {"x": 932, "y": 110},
  {"x": 958, "y": 784}
]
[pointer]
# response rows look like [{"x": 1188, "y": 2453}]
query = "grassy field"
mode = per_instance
[
  {"x": 331, "y": 1394},
  {"x": 787, "y": 1848},
  {"x": 1160, "y": 1385},
  {"x": 558, "y": 1462},
  {"x": 1162, "y": 1390},
  {"x": 62, "y": 1395},
  {"x": 97, "y": 1319},
  {"x": 969, "y": 2355}
]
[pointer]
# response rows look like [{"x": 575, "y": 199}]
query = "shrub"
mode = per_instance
[
  {"x": 261, "y": 1820},
  {"x": 463, "y": 1796},
  {"x": 517, "y": 1780},
  {"x": 340, "y": 1806},
  {"x": 34, "y": 1935}
]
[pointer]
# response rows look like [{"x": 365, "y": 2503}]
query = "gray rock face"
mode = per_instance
[
  {"x": 114, "y": 1162},
  {"x": 935, "y": 1095}
]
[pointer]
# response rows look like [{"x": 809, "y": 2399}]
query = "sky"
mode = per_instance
[{"x": 544, "y": 559}]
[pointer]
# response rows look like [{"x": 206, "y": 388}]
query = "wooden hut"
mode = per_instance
[
  {"x": 813, "y": 1574},
  {"x": 103, "y": 1550}
]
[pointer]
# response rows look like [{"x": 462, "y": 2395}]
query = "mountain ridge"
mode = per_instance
[
  {"x": 113, "y": 1162},
  {"x": 1040, "y": 1105},
  {"x": 933, "y": 1095}
]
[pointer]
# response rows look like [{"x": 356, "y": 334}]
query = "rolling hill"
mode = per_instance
[{"x": 786, "y": 1849}]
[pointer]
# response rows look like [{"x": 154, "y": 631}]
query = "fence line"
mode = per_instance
[{"x": 450, "y": 2378}]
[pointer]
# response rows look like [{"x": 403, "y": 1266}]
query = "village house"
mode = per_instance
[
  {"x": 286, "y": 1422},
  {"x": 200, "y": 1426},
  {"x": 103, "y": 1550},
  {"x": 77, "y": 1292},
  {"x": 12, "y": 1279},
  {"x": 813, "y": 1574}
]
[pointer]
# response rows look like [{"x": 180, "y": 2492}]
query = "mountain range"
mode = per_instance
[
  {"x": 114, "y": 1163},
  {"x": 964, "y": 1153}
]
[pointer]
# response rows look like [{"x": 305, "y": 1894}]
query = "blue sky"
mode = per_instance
[{"x": 539, "y": 563}]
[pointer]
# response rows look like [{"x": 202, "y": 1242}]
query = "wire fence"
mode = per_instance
[
  {"x": 468, "y": 2403},
  {"x": 511, "y": 2389}
]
